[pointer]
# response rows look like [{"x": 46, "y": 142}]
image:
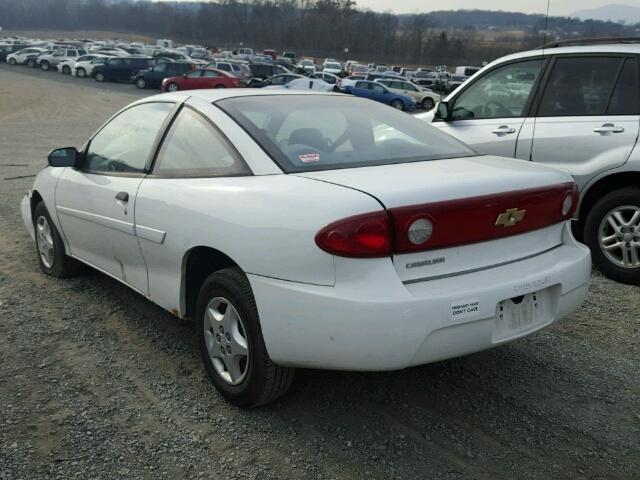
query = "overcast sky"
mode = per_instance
[{"x": 558, "y": 7}]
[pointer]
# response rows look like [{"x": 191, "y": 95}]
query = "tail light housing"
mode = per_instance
[{"x": 449, "y": 223}]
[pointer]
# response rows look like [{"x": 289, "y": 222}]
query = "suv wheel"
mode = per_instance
[
  {"x": 231, "y": 342},
  {"x": 140, "y": 83},
  {"x": 81, "y": 72},
  {"x": 66, "y": 70},
  {"x": 44, "y": 65},
  {"x": 99, "y": 77},
  {"x": 12, "y": 61},
  {"x": 612, "y": 232}
]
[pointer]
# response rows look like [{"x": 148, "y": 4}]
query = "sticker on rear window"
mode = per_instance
[
  {"x": 465, "y": 309},
  {"x": 309, "y": 157}
]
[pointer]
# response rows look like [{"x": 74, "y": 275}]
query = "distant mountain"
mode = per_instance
[{"x": 613, "y": 12}]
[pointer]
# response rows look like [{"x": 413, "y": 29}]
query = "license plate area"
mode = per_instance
[{"x": 519, "y": 314}]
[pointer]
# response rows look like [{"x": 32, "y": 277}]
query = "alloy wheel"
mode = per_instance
[
  {"x": 44, "y": 239},
  {"x": 226, "y": 340},
  {"x": 173, "y": 87},
  {"x": 619, "y": 236}
]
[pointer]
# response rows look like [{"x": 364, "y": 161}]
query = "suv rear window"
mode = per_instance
[{"x": 322, "y": 132}]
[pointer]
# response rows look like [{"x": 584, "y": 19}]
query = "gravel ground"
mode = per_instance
[{"x": 96, "y": 382}]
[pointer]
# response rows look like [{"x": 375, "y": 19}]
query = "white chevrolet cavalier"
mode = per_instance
[{"x": 311, "y": 230}]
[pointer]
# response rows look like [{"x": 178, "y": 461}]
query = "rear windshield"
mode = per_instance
[{"x": 305, "y": 133}]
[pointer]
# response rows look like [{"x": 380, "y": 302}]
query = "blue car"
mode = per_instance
[{"x": 380, "y": 93}]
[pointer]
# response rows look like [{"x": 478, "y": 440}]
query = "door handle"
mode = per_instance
[
  {"x": 608, "y": 129},
  {"x": 122, "y": 197},
  {"x": 503, "y": 130}
]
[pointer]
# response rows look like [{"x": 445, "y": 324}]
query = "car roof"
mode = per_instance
[
  {"x": 602, "y": 48},
  {"x": 213, "y": 95}
]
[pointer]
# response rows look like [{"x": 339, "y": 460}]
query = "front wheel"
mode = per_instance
[
  {"x": 81, "y": 72},
  {"x": 140, "y": 83},
  {"x": 612, "y": 232},
  {"x": 12, "y": 61},
  {"x": 51, "y": 255},
  {"x": 428, "y": 103},
  {"x": 173, "y": 87},
  {"x": 397, "y": 104},
  {"x": 99, "y": 77},
  {"x": 45, "y": 65},
  {"x": 232, "y": 345},
  {"x": 66, "y": 70}
]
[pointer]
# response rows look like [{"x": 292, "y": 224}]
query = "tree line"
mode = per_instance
[{"x": 311, "y": 27}]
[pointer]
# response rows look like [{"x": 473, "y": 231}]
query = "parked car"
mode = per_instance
[
  {"x": 239, "y": 69},
  {"x": 572, "y": 107},
  {"x": 275, "y": 81},
  {"x": 7, "y": 49},
  {"x": 466, "y": 71},
  {"x": 199, "y": 79},
  {"x": 233, "y": 229},
  {"x": 380, "y": 93},
  {"x": 121, "y": 69},
  {"x": 263, "y": 71},
  {"x": 20, "y": 57},
  {"x": 456, "y": 80},
  {"x": 68, "y": 67},
  {"x": 426, "y": 99},
  {"x": 331, "y": 78},
  {"x": 371, "y": 77},
  {"x": 153, "y": 77},
  {"x": 84, "y": 68},
  {"x": 305, "y": 83},
  {"x": 308, "y": 65},
  {"x": 271, "y": 53},
  {"x": 290, "y": 55},
  {"x": 49, "y": 60},
  {"x": 350, "y": 81},
  {"x": 334, "y": 68},
  {"x": 261, "y": 59}
]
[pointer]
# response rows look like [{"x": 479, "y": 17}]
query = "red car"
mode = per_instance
[{"x": 203, "y": 78}]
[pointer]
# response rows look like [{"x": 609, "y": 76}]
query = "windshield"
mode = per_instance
[
  {"x": 323, "y": 132},
  {"x": 336, "y": 66}
]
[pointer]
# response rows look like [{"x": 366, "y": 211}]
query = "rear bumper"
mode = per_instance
[{"x": 376, "y": 323}]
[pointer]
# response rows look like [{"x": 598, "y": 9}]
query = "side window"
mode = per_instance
[
  {"x": 194, "y": 74},
  {"x": 579, "y": 86},
  {"x": 162, "y": 67},
  {"x": 501, "y": 93},
  {"x": 210, "y": 73},
  {"x": 194, "y": 147},
  {"x": 224, "y": 66},
  {"x": 115, "y": 62},
  {"x": 625, "y": 99},
  {"x": 378, "y": 89},
  {"x": 362, "y": 85},
  {"x": 124, "y": 144},
  {"x": 59, "y": 53}
]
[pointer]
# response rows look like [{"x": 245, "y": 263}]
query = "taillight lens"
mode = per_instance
[
  {"x": 570, "y": 203},
  {"x": 362, "y": 236}
]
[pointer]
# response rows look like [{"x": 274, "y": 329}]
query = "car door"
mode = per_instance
[
  {"x": 96, "y": 203},
  {"x": 192, "y": 80},
  {"x": 587, "y": 118},
  {"x": 210, "y": 79},
  {"x": 488, "y": 114}
]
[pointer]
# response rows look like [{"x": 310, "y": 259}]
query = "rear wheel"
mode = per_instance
[
  {"x": 31, "y": 63},
  {"x": 140, "y": 83},
  {"x": 232, "y": 345},
  {"x": 397, "y": 104},
  {"x": 612, "y": 232},
  {"x": 428, "y": 103},
  {"x": 81, "y": 72},
  {"x": 173, "y": 87},
  {"x": 99, "y": 77},
  {"x": 51, "y": 256},
  {"x": 66, "y": 70},
  {"x": 12, "y": 61},
  {"x": 45, "y": 65}
]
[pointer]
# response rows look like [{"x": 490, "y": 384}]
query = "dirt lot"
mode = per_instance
[{"x": 96, "y": 382}]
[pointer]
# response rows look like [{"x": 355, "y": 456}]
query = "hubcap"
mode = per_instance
[
  {"x": 45, "y": 241},
  {"x": 226, "y": 341},
  {"x": 173, "y": 87},
  {"x": 619, "y": 236}
]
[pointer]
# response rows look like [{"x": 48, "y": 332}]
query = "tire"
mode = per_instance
[
  {"x": 428, "y": 103},
  {"x": 622, "y": 262},
  {"x": 220, "y": 86},
  {"x": 12, "y": 61},
  {"x": 397, "y": 104},
  {"x": 44, "y": 65},
  {"x": 173, "y": 87},
  {"x": 99, "y": 77},
  {"x": 31, "y": 63},
  {"x": 81, "y": 72},
  {"x": 48, "y": 239},
  {"x": 66, "y": 70},
  {"x": 257, "y": 380},
  {"x": 140, "y": 83}
]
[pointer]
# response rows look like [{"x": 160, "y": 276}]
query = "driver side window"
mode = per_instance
[
  {"x": 124, "y": 144},
  {"x": 501, "y": 93}
]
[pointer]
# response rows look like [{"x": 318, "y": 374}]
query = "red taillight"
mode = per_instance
[{"x": 362, "y": 236}]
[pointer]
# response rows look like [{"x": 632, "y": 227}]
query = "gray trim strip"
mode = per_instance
[
  {"x": 108, "y": 222},
  {"x": 151, "y": 234},
  {"x": 480, "y": 269}
]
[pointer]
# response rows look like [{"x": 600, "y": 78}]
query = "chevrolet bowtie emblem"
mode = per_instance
[{"x": 510, "y": 217}]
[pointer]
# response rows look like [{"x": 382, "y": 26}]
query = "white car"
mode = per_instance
[
  {"x": 20, "y": 57},
  {"x": 304, "y": 83},
  {"x": 334, "y": 68},
  {"x": 84, "y": 68},
  {"x": 69, "y": 67},
  {"x": 48, "y": 60},
  {"x": 311, "y": 230}
]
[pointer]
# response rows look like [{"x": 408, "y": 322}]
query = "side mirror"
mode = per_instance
[
  {"x": 64, "y": 157},
  {"x": 442, "y": 111}
]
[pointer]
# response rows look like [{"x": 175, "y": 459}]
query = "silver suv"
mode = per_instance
[{"x": 575, "y": 106}]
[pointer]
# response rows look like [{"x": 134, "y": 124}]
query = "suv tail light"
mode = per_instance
[{"x": 450, "y": 223}]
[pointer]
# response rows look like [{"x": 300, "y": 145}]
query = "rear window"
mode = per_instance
[{"x": 316, "y": 132}]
